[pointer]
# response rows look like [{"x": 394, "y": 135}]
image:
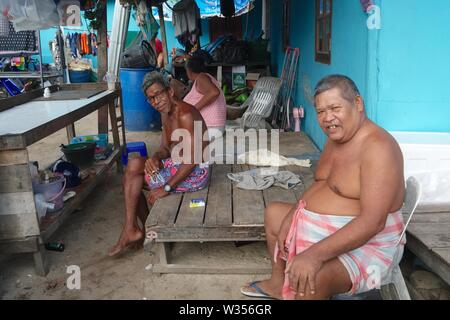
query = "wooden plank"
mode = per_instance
[
  {"x": 297, "y": 144},
  {"x": 9, "y": 157},
  {"x": 248, "y": 205},
  {"x": 115, "y": 132},
  {"x": 122, "y": 118},
  {"x": 70, "y": 130},
  {"x": 432, "y": 235},
  {"x": 192, "y": 217},
  {"x": 219, "y": 206},
  {"x": 84, "y": 86},
  {"x": 277, "y": 194},
  {"x": 15, "y": 178},
  {"x": 50, "y": 224},
  {"x": 432, "y": 208},
  {"x": 17, "y": 203},
  {"x": 210, "y": 234},
  {"x": 165, "y": 210},
  {"x": 19, "y": 225},
  {"x": 30, "y": 244},
  {"x": 102, "y": 66},
  {"x": 209, "y": 269},
  {"x": 71, "y": 95},
  {"x": 12, "y": 142},
  {"x": 444, "y": 254},
  {"x": 430, "y": 258},
  {"x": 429, "y": 217},
  {"x": 11, "y": 102}
]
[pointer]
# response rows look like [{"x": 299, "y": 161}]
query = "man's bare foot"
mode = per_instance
[
  {"x": 127, "y": 238},
  {"x": 263, "y": 289}
]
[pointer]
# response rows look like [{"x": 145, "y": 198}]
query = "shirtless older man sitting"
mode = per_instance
[
  {"x": 347, "y": 225},
  {"x": 161, "y": 172}
]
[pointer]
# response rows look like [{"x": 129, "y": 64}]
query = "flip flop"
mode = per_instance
[{"x": 259, "y": 292}]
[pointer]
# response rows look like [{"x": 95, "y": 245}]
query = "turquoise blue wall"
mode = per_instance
[
  {"x": 348, "y": 56},
  {"x": 414, "y": 64}
]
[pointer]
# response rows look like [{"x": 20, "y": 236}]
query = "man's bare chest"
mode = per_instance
[{"x": 342, "y": 174}]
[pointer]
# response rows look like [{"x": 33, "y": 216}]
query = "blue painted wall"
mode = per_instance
[
  {"x": 414, "y": 51},
  {"x": 348, "y": 56}
]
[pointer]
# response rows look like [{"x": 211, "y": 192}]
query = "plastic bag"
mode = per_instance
[
  {"x": 32, "y": 14},
  {"x": 139, "y": 54}
]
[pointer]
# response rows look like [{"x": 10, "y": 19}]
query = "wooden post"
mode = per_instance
[
  {"x": 163, "y": 34},
  {"x": 102, "y": 59}
]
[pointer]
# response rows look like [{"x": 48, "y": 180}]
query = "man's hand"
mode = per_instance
[
  {"x": 152, "y": 165},
  {"x": 156, "y": 194},
  {"x": 282, "y": 235},
  {"x": 302, "y": 271}
]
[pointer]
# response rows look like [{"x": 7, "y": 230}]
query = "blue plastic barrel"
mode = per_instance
[{"x": 139, "y": 114}]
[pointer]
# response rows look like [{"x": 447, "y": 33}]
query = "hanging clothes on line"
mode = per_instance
[
  {"x": 81, "y": 44},
  {"x": 187, "y": 23}
]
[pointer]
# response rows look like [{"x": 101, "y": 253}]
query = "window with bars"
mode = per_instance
[{"x": 323, "y": 30}]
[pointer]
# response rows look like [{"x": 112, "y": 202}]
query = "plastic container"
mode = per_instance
[
  {"x": 42, "y": 206},
  {"x": 80, "y": 154},
  {"x": 101, "y": 139},
  {"x": 139, "y": 114},
  {"x": 79, "y": 76},
  {"x": 53, "y": 192}
]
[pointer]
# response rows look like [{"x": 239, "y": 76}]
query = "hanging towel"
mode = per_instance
[{"x": 263, "y": 178}]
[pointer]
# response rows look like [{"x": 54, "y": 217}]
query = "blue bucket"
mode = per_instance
[
  {"x": 80, "y": 76},
  {"x": 139, "y": 114}
]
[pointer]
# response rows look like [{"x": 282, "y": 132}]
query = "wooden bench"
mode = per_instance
[
  {"x": 428, "y": 237},
  {"x": 230, "y": 214}
]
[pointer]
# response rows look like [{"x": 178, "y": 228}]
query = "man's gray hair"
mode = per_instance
[
  {"x": 349, "y": 90},
  {"x": 154, "y": 77}
]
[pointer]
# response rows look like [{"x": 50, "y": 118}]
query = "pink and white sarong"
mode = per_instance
[{"x": 377, "y": 255}]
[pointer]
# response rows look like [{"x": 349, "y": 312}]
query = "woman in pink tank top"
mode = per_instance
[{"x": 206, "y": 94}]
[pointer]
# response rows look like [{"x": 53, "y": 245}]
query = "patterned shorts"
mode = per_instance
[{"x": 196, "y": 180}]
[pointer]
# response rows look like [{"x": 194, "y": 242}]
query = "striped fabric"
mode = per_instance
[
  {"x": 362, "y": 264},
  {"x": 196, "y": 180}
]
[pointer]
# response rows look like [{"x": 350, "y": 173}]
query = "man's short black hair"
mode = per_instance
[{"x": 347, "y": 86}]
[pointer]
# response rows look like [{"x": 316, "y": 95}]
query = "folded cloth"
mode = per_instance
[
  {"x": 263, "y": 178},
  {"x": 268, "y": 158}
]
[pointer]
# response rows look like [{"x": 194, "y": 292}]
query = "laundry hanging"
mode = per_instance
[
  {"x": 82, "y": 44},
  {"x": 187, "y": 23}
]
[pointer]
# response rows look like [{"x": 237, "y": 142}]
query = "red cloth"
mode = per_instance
[{"x": 158, "y": 46}]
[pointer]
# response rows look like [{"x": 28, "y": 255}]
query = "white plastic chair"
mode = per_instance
[
  {"x": 261, "y": 102},
  {"x": 394, "y": 286}
]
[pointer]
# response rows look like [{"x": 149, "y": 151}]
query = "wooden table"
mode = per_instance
[
  {"x": 23, "y": 121},
  {"x": 428, "y": 237},
  {"x": 231, "y": 214}
]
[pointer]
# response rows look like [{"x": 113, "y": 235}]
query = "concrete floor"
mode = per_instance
[{"x": 88, "y": 234}]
